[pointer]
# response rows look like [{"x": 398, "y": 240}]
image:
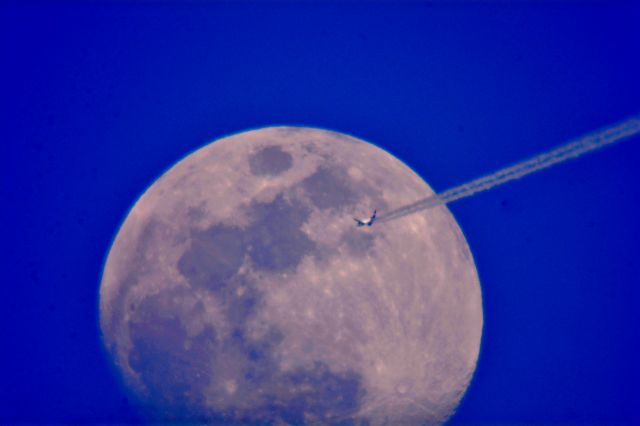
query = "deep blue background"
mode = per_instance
[{"x": 98, "y": 100}]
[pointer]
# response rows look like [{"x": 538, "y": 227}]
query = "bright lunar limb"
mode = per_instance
[{"x": 239, "y": 289}]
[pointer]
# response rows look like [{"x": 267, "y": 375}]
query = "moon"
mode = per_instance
[{"x": 239, "y": 289}]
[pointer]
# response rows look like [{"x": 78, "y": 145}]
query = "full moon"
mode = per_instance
[{"x": 240, "y": 290}]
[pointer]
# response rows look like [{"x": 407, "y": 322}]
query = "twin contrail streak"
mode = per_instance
[{"x": 573, "y": 149}]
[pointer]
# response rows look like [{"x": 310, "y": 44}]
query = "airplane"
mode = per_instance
[{"x": 367, "y": 222}]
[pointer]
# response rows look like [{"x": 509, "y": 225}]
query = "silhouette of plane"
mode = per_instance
[{"x": 366, "y": 222}]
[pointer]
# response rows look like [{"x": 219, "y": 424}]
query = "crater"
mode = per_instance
[
  {"x": 241, "y": 299},
  {"x": 136, "y": 265},
  {"x": 215, "y": 255},
  {"x": 402, "y": 388},
  {"x": 329, "y": 188},
  {"x": 275, "y": 239},
  {"x": 270, "y": 161},
  {"x": 174, "y": 368},
  {"x": 319, "y": 395},
  {"x": 358, "y": 243}
]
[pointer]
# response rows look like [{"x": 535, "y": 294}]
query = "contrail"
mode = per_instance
[{"x": 573, "y": 149}]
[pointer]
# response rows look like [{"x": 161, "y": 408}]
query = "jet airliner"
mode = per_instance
[{"x": 366, "y": 222}]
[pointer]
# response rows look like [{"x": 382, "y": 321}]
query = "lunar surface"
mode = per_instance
[{"x": 239, "y": 290}]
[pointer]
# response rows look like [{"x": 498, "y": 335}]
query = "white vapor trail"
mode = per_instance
[{"x": 573, "y": 149}]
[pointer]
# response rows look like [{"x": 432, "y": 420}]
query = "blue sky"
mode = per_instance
[{"x": 99, "y": 99}]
